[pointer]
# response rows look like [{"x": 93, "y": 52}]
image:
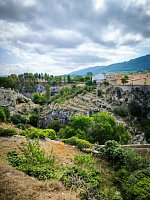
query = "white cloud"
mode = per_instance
[
  {"x": 59, "y": 36},
  {"x": 26, "y": 3},
  {"x": 99, "y": 4}
]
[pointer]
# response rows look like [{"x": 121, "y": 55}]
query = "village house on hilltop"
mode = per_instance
[{"x": 116, "y": 79}]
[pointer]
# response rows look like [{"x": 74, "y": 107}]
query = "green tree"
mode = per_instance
[
  {"x": 17, "y": 118},
  {"x": 34, "y": 119},
  {"x": 105, "y": 83},
  {"x": 39, "y": 99},
  {"x": 2, "y": 115},
  {"x": 68, "y": 78},
  {"x": 99, "y": 92},
  {"x": 55, "y": 124},
  {"x": 65, "y": 81},
  {"x": 47, "y": 92},
  {"x": 89, "y": 74},
  {"x": 105, "y": 128},
  {"x": 81, "y": 122},
  {"x": 124, "y": 80}
]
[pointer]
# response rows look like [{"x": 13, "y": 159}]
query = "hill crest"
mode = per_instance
[{"x": 139, "y": 64}]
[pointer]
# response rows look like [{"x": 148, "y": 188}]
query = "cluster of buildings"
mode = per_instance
[{"x": 116, "y": 79}]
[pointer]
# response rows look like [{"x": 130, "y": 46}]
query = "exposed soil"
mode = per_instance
[{"x": 15, "y": 185}]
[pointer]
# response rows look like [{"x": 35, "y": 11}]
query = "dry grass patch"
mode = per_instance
[
  {"x": 63, "y": 152},
  {"x": 18, "y": 186},
  {"x": 9, "y": 125}
]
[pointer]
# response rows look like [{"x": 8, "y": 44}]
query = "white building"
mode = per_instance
[{"x": 99, "y": 78}]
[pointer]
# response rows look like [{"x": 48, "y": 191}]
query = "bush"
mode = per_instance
[
  {"x": 33, "y": 162},
  {"x": 99, "y": 92},
  {"x": 84, "y": 160},
  {"x": 33, "y": 119},
  {"x": 81, "y": 122},
  {"x": 105, "y": 128},
  {"x": 133, "y": 174},
  {"x": 21, "y": 126},
  {"x": 137, "y": 110},
  {"x": 121, "y": 111},
  {"x": 80, "y": 134},
  {"x": 39, "y": 98},
  {"x": 137, "y": 186},
  {"x": 83, "y": 144},
  {"x": 14, "y": 159},
  {"x": 39, "y": 133},
  {"x": 67, "y": 132},
  {"x": 55, "y": 125},
  {"x": 7, "y": 132},
  {"x": 39, "y": 172},
  {"x": 83, "y": 176},
  {"x": 2, "y": 115},
  {"x": 77, "y": 142},
  {"x": 71, "y": 141},
  {"x": 7, "y": 113},
  {"x": 145, "y": 126},
  {"x": 121, "y": 157},
  {"x": 17, "y": 118},
  {"x": 50, "y": 133}
]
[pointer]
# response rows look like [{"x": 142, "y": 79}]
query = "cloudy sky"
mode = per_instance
[{"x": 60, "y": 36}]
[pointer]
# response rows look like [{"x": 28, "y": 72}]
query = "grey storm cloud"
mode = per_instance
[
  {"x": 79, "y": 16},
  {"x": 73, "y": 31}
]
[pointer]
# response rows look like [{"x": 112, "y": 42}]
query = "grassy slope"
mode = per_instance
[{"x": 18, "y": 186}]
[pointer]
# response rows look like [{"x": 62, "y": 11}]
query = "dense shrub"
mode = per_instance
[
  {"x": 99, "y": 128},
  {"x": 39, "y": 98},
  {"x": 17, "y": 118},
  {"x": 99, "y": 92},
  {"x": 7, "y": 113},
  {"x": 83, "y": 144},
  {"x": 69, "y": 132},
  {"x": 33, "y": 162},
  {"x": 2, "y": 115},
  {"x": 137, "y": 110},
  {"x": 21, "y": 126},
  {"x": 39, "y": 172},
  {"x": 80, "y": 143},
  {"x": 71, "y": 141},
  {"x": 33, "y": 119},
  {"x": 39, "y": 133},
  {"x": 83, "y": 176},
  {"x": 55, "y": 125},
  {"x": 133, "y": 171},
  {"x": 122, "y": 157},
  {"x": 145, "y": 127},
  {"x": 105, "y": 128},
  {"x": 50, "y": 133},
  {"x": 122, "y": 111},
  {"x": 80, "y": 134},
  {"x": 137, "y": 186},
  {"x": 81, "y": 122},
  {"x": 7, "y": 132},
  {"x": 14, "y": 159}
]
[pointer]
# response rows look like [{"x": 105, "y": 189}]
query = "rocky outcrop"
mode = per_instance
[
  {"x": 16, "y": 102},
  {"x": 9, "y": 97},
  {"x": 48, "y": 114},
  {"x": 117, "y": 96}
]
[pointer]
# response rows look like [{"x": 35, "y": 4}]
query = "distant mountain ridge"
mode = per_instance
[{"x": 139, "y": 64}]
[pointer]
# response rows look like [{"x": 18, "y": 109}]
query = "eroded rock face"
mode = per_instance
[
  {"x": 16, "y": 102},
  {"x": 47, "y": 115},
  {"x": 117, "y": 96},
  {"x": 9, "y": 97}
]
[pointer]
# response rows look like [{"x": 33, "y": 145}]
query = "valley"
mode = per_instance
[{"x": 57, "y": 146}]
